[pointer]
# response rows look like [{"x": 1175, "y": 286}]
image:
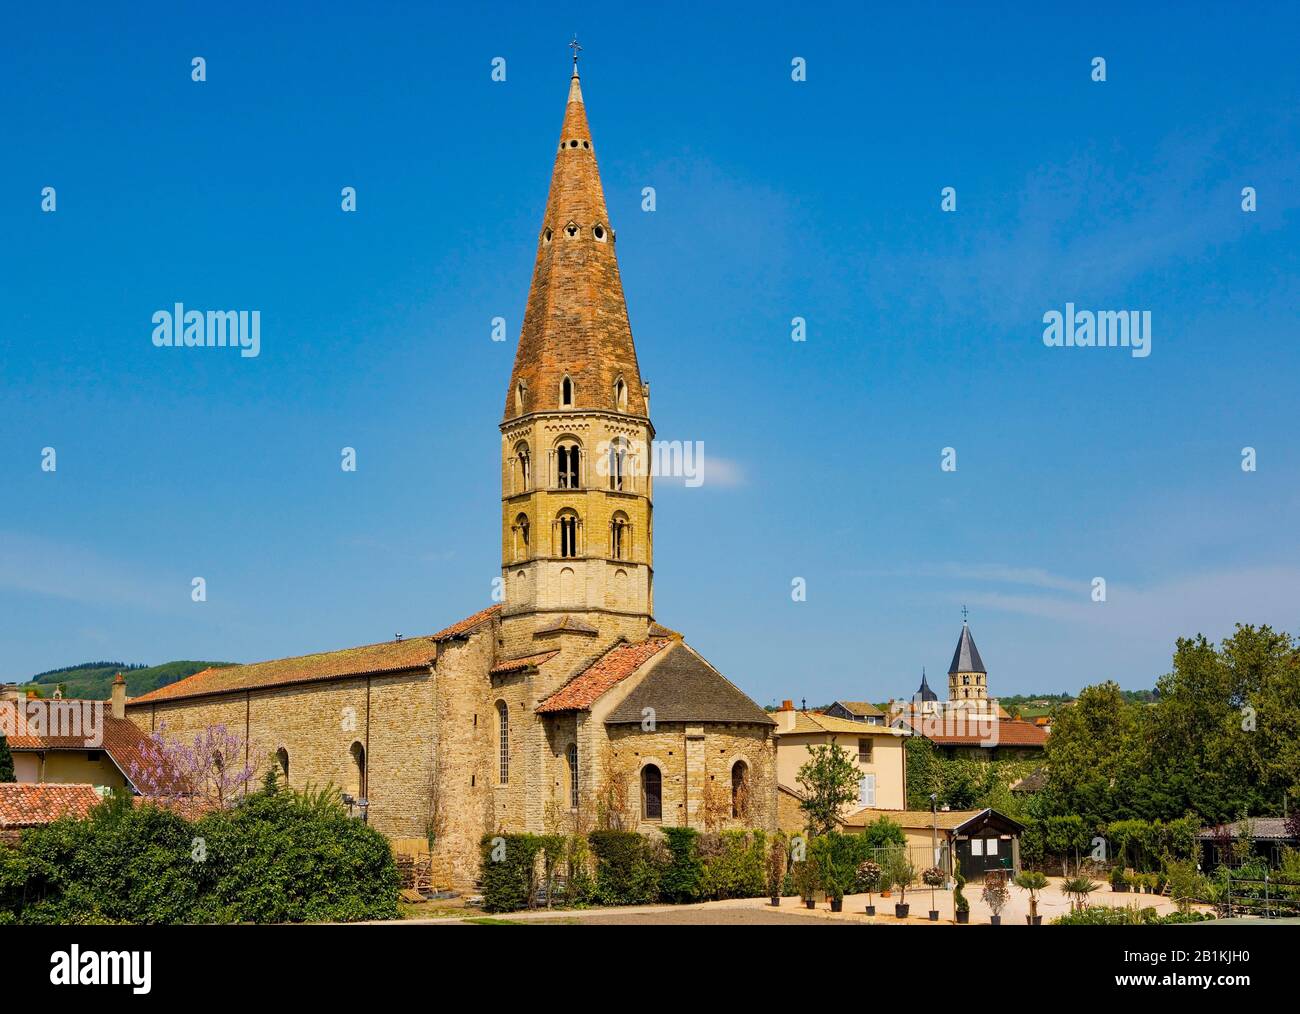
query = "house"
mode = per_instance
[
  {"x": 981, "y": 840},
  {"x": 876, "y": 750},
  {"x": 24, "y": 805},
  {"x": 74, "y": 741},
  {"x": 856, "y": 711},
  {"x": 1268, "y": 837}
]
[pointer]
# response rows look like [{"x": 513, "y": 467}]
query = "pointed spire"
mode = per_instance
[
  {"x": 923, "y": 692},
  {"x": 575, "y": 324},
  {"x": 967, "y": 657}
]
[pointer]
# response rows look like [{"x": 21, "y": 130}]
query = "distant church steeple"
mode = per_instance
[
  {"x": 576, "y": 496},
  {"x": 967, "y": 677}
]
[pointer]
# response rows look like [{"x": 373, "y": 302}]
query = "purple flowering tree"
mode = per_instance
[{"x": 212, "y": 767}]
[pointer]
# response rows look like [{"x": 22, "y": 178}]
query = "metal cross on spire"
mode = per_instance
[
  {"x": 576, "y": 50},
  {"x": 963, "y": 614}
]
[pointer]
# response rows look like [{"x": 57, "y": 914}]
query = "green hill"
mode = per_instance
[{"x": 94, "y": 680}]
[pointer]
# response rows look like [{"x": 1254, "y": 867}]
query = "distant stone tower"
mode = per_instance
[
  {"x": 968, "y": 680},
  {"x": 576, "y": 538}
]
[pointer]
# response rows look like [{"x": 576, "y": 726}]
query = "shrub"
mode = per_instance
[
  {"x": 273, "y": 858},
  {"x": 776, "y": 865},
  {"x": 734, "y": 864},
  {"x": 507, "y": 871},
  {"x": 682, "y": 880},
  {"x": 933, "y": 877},
  {"x": 867, "y": 878},
  {"x": 626, "y": 870},
  {"x": 959, "y": 902},
  {"x": 1131, "y": 915}
]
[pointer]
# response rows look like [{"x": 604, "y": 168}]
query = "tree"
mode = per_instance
[
  {"x": 213, "y": 766},
  {"x": 830, "y": 782},
  {"x": 6, "y": 761}
]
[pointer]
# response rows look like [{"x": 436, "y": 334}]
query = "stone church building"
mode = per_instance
[{"x": 566, "y": 706}]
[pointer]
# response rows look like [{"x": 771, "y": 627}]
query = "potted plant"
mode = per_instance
[
  {"x": 960, "y": 906},
  {"x": 805, "y": 881},
  {"x": 900, "y": 874},
  {"x": 775, "y": 869},
  {"x": 868, "y": 881},
  {"x": 1118, "y": 880},
  {"x": 933, "y": 878},
  {"x": 995, "y": 895},
  {"x": 1032, "y": 881},
  {"x": 1078, "y": 889}
]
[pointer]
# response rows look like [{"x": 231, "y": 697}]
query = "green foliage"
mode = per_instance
[
  {"x": 270, "y": 859},
  {"x": 963, "y": 782},
  {"x": 1221, "y": 738},
  {"x": 829, "y": 780},
  {"x": 734, "y": 864},
  {"x": 626, "y": 868},
  {"x": 883, "y": 833},
  {"x": 508, "y": 871},
  {"x": 6, "y": 761},
  {"x": 897, "y": 871},
  {"x": 959, "y": 902},
  {"x": 1129, "y": 915},
  {"x": 94, "y": 680},
  {"x": 777, "y": 854},
  {"x": 683, "y": 879}
]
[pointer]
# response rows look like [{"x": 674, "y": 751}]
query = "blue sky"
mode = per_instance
[{"x": 775, "y": 199}]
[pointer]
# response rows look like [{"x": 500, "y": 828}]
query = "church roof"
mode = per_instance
[
  {"x": 923, "y": 692},
  {"x": 575, "y": 323},
  {"x": 616, "y": 665},
  {"x": 367, "y": 660},
  {"x": 682, "y": 687},
  {"x": 967, "y": 657}
]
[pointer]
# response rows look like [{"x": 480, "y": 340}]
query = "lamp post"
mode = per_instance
[{"x": 934, "y": 844}]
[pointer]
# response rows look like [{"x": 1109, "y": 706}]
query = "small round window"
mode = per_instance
[
  {"x": 599, "y": 233},
  {"x": 586, "y": 144},
  {"x": 573, "y": 144},
  {"x": 547, "y": 235}
]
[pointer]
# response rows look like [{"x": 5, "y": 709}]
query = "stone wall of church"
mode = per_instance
[
  {"x": 317, "y": 725},
  {"x": 695, "y": 762}
]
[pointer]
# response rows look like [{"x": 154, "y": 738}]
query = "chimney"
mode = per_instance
[
  {"x": 119, "y": 697},
  {"x": 785, "y": 717}
]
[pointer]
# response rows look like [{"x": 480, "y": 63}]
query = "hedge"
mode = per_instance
[{"x": 277, "y": 856}]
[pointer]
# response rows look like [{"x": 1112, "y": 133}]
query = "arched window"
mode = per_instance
[
  {"x": 567, "y": 523},
  {"x": 282, "y": 764},
  {"x": 520, "y": 530},
  {"x": 652, "y": 793},
  {"x": 503, "y": 742},
  {"x": 619, "y": 528},
  {"x": 617, "y": 463},
  {"x": 519, "y": 387},
  {"x": 573, "y": 775},
  {"x": 620, "y": 395},
  {"x": 566, "y": 393},
  {"x": 524, "y": 474},
  {"x": 740, "y": 789},
  {"x": 358, "y": 785},
  {"x": 568, "y": 464}
]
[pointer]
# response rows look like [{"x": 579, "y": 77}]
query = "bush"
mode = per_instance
[
  {"x": 508, "y": 870},
  {"x": 1133, "y": 915},
  {"x": 276, "y": 857},
  {"x": 626, "y": 869},
  {"x": 734, "y": 864},
  {"x": 683, "y": 879}
]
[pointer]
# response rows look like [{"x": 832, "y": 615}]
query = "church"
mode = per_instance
[{"x": 565, "y": 706}]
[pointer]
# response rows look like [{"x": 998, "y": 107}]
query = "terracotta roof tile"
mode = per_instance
[
  {"x": 1008, "y": 732},
  {"x": 367, "y": 660},
  {"x": 604, "y": 674},
  {"x": 28, "y": 804},
  {"x": 120, "y": 738}
]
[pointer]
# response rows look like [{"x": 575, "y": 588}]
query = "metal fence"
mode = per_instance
[{"x": 1272, "y": 897}]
